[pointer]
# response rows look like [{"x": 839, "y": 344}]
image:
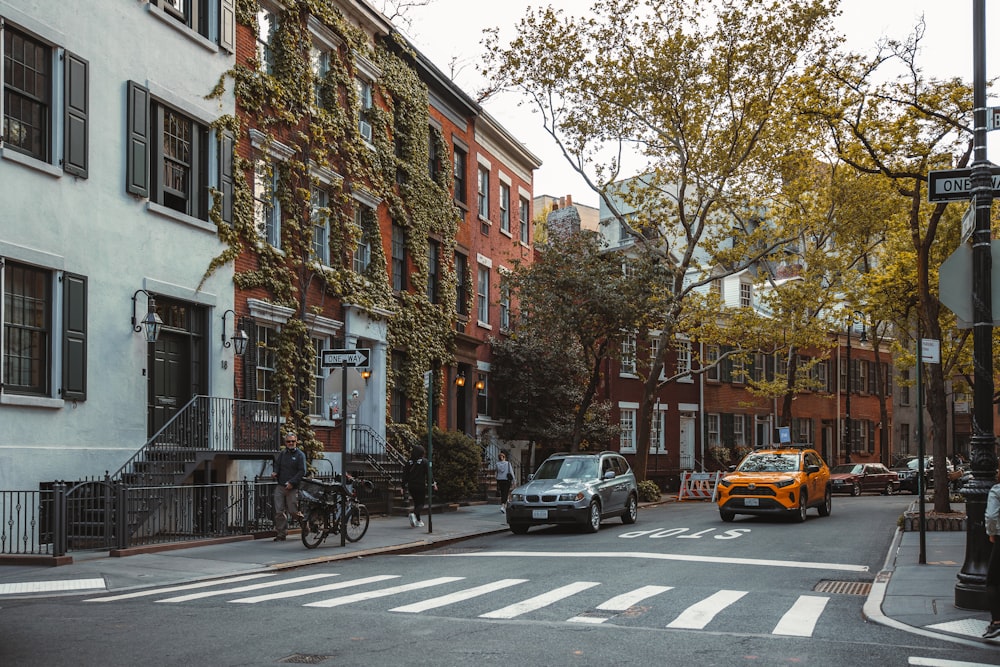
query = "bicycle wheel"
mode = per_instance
[
  {"x": 357, "y": 522},
  {"x": 314, "y": 528}
]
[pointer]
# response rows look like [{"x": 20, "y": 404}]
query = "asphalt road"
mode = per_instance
[{"x": 680, "y": 587}]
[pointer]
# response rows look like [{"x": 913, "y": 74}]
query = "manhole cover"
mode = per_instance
[
  {"x": 302, "y": 659},
  {"x": 844, "y": 587}
]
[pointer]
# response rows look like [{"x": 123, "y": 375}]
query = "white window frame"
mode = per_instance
[
  {"x": 746, "y": 295},
  {"x": 712, "y": 353},
  {"x": 505, "y": 207},
  {"x": 363, "y": 252},
  {"x": 483, "y": 295},
  {"x": 683, "y": 349},
  {"x": 267, "y": 20},
  {"x": 483, "y": 192},
  {"x": 524, "y": 212},
  {"x": 712, "y": 427},
  {"x": 627, "y": 413},
  {"x": 319, "y": 203},
  {"x": 628, "y": 361},
  {"x": 266, "y": 206},
  {"x": 366, "y": 101}
]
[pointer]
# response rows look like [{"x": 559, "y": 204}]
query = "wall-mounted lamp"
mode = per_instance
[
  {"x": 366, "y": 373},
  {"x": 239, "y": 339},
  {"x": 152, "y": 322},
  {"x": 480, "y": 383},
  {"x": 460, "y": 380}
]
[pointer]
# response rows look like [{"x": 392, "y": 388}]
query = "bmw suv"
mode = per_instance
[
  {"x": 782, "y": 480},
  {"x": 578, "y": 489}
]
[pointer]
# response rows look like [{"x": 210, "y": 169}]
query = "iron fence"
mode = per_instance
[{"x": 24, "y": 529}]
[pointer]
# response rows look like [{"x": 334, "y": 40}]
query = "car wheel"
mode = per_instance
[
  {"x": 726, "y": 515},
  {"x": 631, "y": 510},
  {"x": 594, "y": 524},
  {"x": 519, "y": 528},
  {"x": 888, "y": 489},
  {"x": 800, "y": 512},
  {"x": 827, "y": 506},
  {"x": 856, "y": 489}
]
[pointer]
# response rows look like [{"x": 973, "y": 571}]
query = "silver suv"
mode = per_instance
[{"x": 579, "y": 489}]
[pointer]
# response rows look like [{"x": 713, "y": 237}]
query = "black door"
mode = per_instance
[{"x": 177, "y": 361}]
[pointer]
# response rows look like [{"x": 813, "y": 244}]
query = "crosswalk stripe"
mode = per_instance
[
  {"x": 698, "y": 615},
  {"x": 358, "y": 597},
  {"x": 626, "y": 600},
  {"x": 800, "y": 620},
  {"x": 539, "y": 601},
  {"x": 460, "y": 596},
  {"x": 248, "y": 587},
  {"x": 315, "y": 589},
  {"x": 183, "y": 587}
]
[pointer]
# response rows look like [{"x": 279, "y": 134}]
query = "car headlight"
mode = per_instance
[
  {"x": 781, "y": 483},
  {"x": 517, "y": 497},
  {"x": 571, "y": 497}
]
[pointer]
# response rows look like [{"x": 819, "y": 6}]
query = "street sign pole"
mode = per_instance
[{"x": 970, "y": 591}]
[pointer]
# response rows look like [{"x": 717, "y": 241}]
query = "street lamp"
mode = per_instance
[
  {"x": 239, "y": 339},
  {"x": 152, "y": 322},
  {"x": 863, "y": 338}
]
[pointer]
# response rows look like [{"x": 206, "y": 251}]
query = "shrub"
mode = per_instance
[
  {"x": 648, "y": 491},
  {"x": 457, "y": 462}
]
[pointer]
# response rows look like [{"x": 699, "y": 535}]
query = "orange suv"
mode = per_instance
[{"x": 784, "y": 480}]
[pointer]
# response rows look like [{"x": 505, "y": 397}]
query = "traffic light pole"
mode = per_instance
[{"x": 970, "y": 591}]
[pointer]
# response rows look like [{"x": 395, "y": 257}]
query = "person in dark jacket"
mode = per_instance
[
  {"x": 289, "y": 469},
  {"x": 415, "y": 474}
]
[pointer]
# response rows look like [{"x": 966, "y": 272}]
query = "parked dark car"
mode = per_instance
[
  {"x": 857, "y": 478},
  {"x": 908, "y": 471}
]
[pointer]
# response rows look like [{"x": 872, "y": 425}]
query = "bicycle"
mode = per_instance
[{"x": 323, "y": 502}]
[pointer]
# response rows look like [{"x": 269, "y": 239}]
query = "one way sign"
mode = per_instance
[{"x": 346, "y": 358}]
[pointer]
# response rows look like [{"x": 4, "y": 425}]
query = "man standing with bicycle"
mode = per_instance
[{"x": 289, "y": 468}]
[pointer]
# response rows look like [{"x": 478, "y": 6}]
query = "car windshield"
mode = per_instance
[
  {"x": 568, "y": 468},
  {"x": 846, "y": 468},
  {"x": 770, "y": 463}
]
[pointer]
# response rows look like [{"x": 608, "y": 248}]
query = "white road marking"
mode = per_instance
[
  {"x": 938, "y": 662},
  {"x": 654, "y": 556},
  {"x": 467, "y": 594},
  {"x": 539, "y": 601},
  {"x": 698, "y": 615},
  {"x": 184, "y": 587},
  {"x": 49, "y": 586},
  {"x": 800, "y": 620},
  {"x": 626, "y": 600},
  {"x": 316, "y": 589},
  {"x": 248, "y": 587},
  {"x": 358, "y": 597}
]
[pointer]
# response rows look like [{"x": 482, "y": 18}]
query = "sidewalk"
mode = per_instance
[{"x": 905, "y": 595}]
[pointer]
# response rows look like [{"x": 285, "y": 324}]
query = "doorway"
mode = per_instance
[{"x": 177, "y": 361}]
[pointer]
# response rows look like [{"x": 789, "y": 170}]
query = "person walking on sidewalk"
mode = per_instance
[
  {"x": 415, "y": 474},
  {"x": 992, "y": 521},
  {"x": 289, "y": 468},
  {"x": 505, "y": 479}
]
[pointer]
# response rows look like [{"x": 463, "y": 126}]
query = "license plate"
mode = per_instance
[
  {"x": 539, "y": 514},
  {"x": 751, "y": 502}
]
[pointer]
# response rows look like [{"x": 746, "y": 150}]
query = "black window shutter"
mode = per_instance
[
  {"x": 76, "y": 143},
  {"x": 226, "y": 146},
  {"x": 74, "y": 343},
  {"x": 227, "y": 25},
  {"x": 138, "y": 141},
  {"x": 726, "y": 428}
]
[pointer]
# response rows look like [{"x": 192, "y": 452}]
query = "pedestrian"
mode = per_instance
[
  {"x": 415, "y": 474},
  {"x": 289, "y": 468},
  {"x": 992, "y": 520},
  {"x": 505, "y": 479}
]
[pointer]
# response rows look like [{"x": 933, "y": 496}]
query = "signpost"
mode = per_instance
[
  {"x": 359, "y": 358},
  {"x": 944, "y": 185}
]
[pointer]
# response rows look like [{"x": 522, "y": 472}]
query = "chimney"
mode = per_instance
[{"x": 569, "y": 200}]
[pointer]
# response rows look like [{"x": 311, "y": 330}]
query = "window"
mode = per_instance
[
  {"x": 628, "y": 354},
  {"x": 484, "y": 193},
  {"x": 319, "y": 64},
  {"x": 266, "y": 207},
  {"x": 433, "y": 270},
  {"x": 398, "y": 258},
  {"x": 267, "y": 346},
  {"x": 197, "y": 16},
  {"x": 397, "y": 407},
  {"x": 505, "y": 208},
  {"x": 504, "y": 307},
  {"x": 626, "y": 423},
  {"x": 716, "y": 287},
  {"x": 712, "y": 361},
  {"x": 656, "y": 431},
  {"x": 758, "y": 373},
  {"x": 483, "y": 295},
  {"x": 739, "y": 437},
  {"x": 167, "y": 156},
  {"x": 904, "y": 387},
  {"x": 712, "y": 427},
  {"x": 684, "y": 358},
  {"x": 45, "y": 102},
  {"x": 365, "y": 103},
  {"x": 317, "y": 403},
  {"x": 459, "y": 159},
  {"x": 746, "y": 295},
  {"x": 482, "y": 395},
  {"x": 819, "y": 375},
  {"x": 267, "y": 26},
  {"x": 525, "y": 214},
  {"x": 433, "y": 165},
  {"x": 904, "y": 438},
  {"x": 461, "y": 288},
  {"x": 363, "y": 253},
  {"x": 319, "y": 201}
]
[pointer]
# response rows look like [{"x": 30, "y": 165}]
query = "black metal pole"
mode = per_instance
[
  {"x": 847, "y": 420},
  {"x": 970, "y": 591}
]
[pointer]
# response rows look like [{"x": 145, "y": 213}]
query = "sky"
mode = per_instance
[{"x": 446, "y": 31}]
